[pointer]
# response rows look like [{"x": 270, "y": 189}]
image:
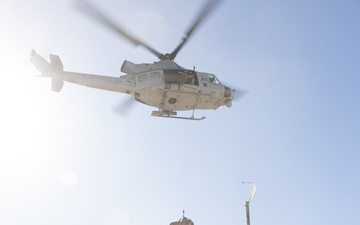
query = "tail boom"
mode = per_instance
[{"x": 55, "y": 70}]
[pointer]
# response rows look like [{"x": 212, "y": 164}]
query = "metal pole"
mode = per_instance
[
  {"x": 247, "y": 213},
  {"x": 247, "y": 203}
]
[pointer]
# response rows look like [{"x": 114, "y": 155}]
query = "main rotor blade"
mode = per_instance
[
  {"x": 93, "y": 12},
  {"x": 206, "y": 10}
]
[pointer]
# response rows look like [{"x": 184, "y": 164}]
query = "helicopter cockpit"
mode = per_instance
[
  {"x": 208, "y": 78},
  {"x": 213, "y": 79}
]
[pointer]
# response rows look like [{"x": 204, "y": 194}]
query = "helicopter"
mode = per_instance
[{"x": 162, "y": 84}]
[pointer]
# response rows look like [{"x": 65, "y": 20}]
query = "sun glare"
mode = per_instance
[
  {"x": 69, "y": 177},
  {"x": 24, "y": 117}
]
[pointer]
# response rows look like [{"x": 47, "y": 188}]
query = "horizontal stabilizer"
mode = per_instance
[{"x": 56, "y": 84}]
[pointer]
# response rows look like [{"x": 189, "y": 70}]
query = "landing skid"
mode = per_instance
[
  {"x": 180, "y": 117},
  {"x": 173, "y": 115}
]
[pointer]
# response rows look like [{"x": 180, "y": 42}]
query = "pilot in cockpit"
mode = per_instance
[{"x": 211, "y": 78}]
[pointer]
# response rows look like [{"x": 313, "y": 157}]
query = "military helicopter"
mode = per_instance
[{"x": 163, "y": 84}]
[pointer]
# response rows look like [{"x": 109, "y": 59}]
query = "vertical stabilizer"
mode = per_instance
[
  {"x": 56, "y": 64},
  {"x": 40, "y": 63},
  {"x": 53, "y": 69}
]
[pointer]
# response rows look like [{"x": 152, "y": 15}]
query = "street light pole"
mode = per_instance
[
  {"x": 247, "y": 203},
  {"x": 247, "y": 213}
]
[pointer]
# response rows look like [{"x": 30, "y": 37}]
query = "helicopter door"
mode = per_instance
[
  {"x": 215, "y": 86},
  {"x": 180, "y": 77},
  {"x": 210, "y": 85}
]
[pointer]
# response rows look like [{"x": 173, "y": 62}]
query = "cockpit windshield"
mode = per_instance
[{"x": 213, "y": 79}]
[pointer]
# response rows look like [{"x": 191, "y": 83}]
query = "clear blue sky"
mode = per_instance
[{"x": 66, "y": 158}]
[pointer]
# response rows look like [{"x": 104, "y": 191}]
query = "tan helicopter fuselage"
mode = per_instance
[{"x": 163, "y": 84}]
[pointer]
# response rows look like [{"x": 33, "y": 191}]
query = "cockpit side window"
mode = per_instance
[{"x": 213, "y": 79}]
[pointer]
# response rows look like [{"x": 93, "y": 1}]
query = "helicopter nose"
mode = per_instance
[{"x": 229, "y": 94}]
